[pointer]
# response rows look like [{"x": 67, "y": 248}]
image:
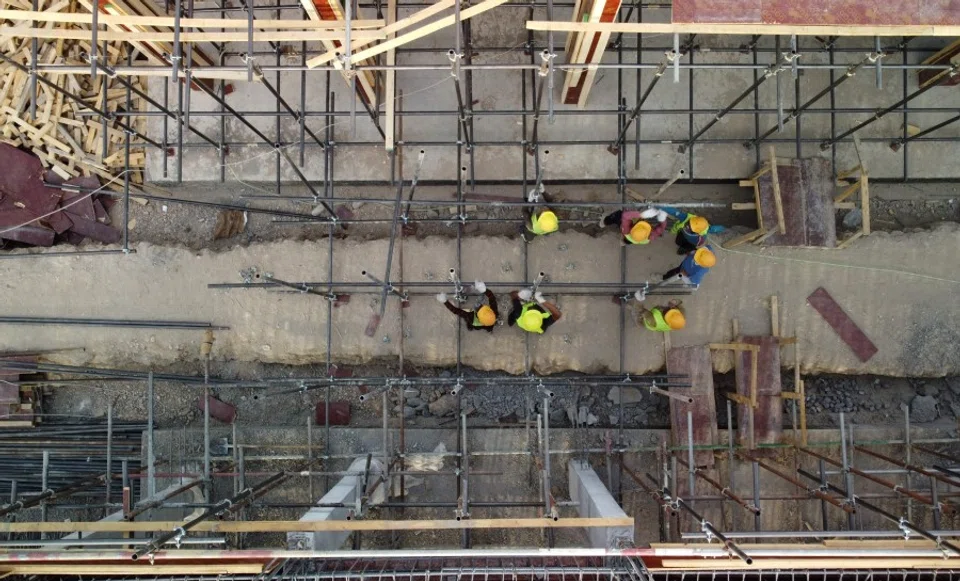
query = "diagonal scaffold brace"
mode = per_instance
[{"x": 388, "y": 287}]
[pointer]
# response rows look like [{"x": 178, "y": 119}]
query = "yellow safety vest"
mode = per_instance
[
  {"x": 521, "y": 323},
  {"x": 659, "y": 323},
  {"x": 678, "y": 226}
]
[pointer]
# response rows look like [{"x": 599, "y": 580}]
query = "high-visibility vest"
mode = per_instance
[
  {"x": 523, "y": 311},
  {"x": 659, "y": 323},
  {"x": 680, "y": 224},
  {"x": 476, "y": 320}
]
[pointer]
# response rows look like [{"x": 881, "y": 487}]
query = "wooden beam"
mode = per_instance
[
  {"x": 313, "y": 526},
  {"x": 389, "y": 29},
  {"x": 865, "y": 203},
  {"x": 744, "y": 29},
  {"x": 743, "y": 238},
  {"x": 775, "y": 315},
  {"x": 390, "y": 90},
  {"x": 735, "y": 346},
  {"x": 74, "y": 569},
  {"x": 777, "y": 200},
  {"x": 766, "y": 235},
  {"x": 425, "y": 30},
  {"x": 113, "y": 19},
  {"x": 141, "y": 36}
]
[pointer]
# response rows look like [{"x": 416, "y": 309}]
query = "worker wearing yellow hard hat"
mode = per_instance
[
  {"x": 540, "y": 220},
  {"x": 634, "y": 226},
  {"x": 533, "y": 316},
  {"x": 483, "y": 317},
  {"x": 695, "y": 265},
  {"x": 664, "y": 318},
  {"x": 691, "y": 230}
]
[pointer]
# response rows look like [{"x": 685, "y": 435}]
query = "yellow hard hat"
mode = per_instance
[
  {"x": 699, "y": 225},
  {"x": 486, "y": 316},
  {"x": 640, "y": 231},
  {"x": 548, "y": 221},
  {"x": 532, "y": 320},
  {"x": 704, "y": 257},
  {"x": 675, "y": 319}
]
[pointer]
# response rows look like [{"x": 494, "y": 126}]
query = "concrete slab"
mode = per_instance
[
  {"x": 911, "y": 312},
  {"x": 595, "y": 501}
]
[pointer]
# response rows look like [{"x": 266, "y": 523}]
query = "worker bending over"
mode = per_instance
[
  {"x": 663, "y": 318},
  {"x": 694, "y": 266},
  {"x": 691, "y": 230},
  {"x": 634, "y": 225},
  {"x": 533, "y": 317},
  {"x": 541, "y": 220},
  {"x": 485, "y": 317}
]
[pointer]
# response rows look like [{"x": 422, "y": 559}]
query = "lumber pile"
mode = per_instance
[
  {"x": 586, "y": 48},
  {"x": 65, "y": 141}
]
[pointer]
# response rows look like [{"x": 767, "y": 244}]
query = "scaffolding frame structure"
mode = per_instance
[{"x": 676, "y": 486}]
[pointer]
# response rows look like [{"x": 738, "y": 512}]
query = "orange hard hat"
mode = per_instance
[
  {"x": 640, "y": 231},
  {"x": 675, "y": 319},
  {"x": 699, "y": 225},
  {"x": 704, "y": 257},
  {"x": 486, "y": 316}
]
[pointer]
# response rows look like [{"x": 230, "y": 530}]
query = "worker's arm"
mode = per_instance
[
  {"x": 492, "y": 300},
  {"x": 626, "y": 221},
  {"x": 515, "y": 311},
  {"x": 552, "y": 308},
  {"x": 674, "y": 213},
  {"x": 658, "y": 230}
]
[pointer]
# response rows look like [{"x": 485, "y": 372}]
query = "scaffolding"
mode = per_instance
[{"x": 912, "y": 494}]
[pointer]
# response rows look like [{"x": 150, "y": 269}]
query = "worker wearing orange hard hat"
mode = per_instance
[
  {"x": 483, "y": 317},
  {"x": 532, "y": 316},
  {"x": 695, "y": 265},
  {"x": 634, "y": 225},
  {"x": 541, "y": 220},
  {"x": 691, "y": 230},
  {"x": 662, "y": 319}
]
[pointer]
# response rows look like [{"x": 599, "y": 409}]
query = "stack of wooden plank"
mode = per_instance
[
  {"x": 32, "y": 212},
  {"x": 65, "y": 136},
  {"x": 586, "y": 48},
  {"x": 367, "y": 82},
  {"x": 19, "y": 406}
]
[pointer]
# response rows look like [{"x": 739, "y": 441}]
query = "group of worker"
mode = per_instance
[{"x": 532, "y": 313}]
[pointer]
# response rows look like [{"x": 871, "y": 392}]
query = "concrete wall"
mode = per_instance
[{"x": 595, "y": 501}]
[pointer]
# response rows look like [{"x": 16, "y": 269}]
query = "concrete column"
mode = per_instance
[
  {"x": 346, "y": 492},
  {"x": 595, "y": 501}
]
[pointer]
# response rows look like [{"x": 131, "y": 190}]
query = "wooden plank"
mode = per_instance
[
  {"x": 865, "y": 203},
  {"x": 425, "y": 30},
  {"x": 766, "y": 235},
  {"x": 192, "y": 37},
  {"x": 850, "y": 240},
  {"x": 390, "y": 92},
  {"x": 734, "y": 346},
  {"x": 696, "y": 363},
  {"x": 389, "y": 29},
  {"x": 280, "y": 526},
  {"x": 744, "y": 29},
  {"x": 742, "y": 239},
  {"x": 762, "y": 387},
  {"x": 167, "y": 21},
  {"x": 777, "y": 200},
  {"x": 849, "y": 191},
  {"x": 75, "y": 569},
  {"x": 842, "y": 324},
  {"x": 775, "y": 315}
]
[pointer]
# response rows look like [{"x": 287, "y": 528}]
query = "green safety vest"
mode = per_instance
[
  {"x": 476, "y": 320},
  {"x": 678, "y": 226},
  {"x": 523, "y": 311},
  {"x": 659, "y": 323}
]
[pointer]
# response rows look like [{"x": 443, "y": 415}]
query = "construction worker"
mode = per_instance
[
  {"x": 663, "y": 318},
  {"x": 484, "y": 317},
  {"x": 694, "y": 266},
  {"x": 634, "y": 225},
  {"x": 691, "y": 230},
  {"x": 533, "y": 317},
  {"x": 541, "y": 220}
]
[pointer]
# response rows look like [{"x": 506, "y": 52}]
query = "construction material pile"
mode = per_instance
[{"x": 34, "y": 211}]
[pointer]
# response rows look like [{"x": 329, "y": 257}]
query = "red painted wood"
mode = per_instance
[
  {"x": 768, "y": 415},
  {"x": 851, "y": 334},
  {"x": 819, "y": 12},
  {"x": 697, "y": 365},
  {"x": 609, "y": 14}
]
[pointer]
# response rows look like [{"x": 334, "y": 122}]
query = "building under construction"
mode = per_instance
[{"x": 228, "y": 227}]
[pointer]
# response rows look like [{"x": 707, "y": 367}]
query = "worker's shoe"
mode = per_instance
[{"x": 603, "y": 221}]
